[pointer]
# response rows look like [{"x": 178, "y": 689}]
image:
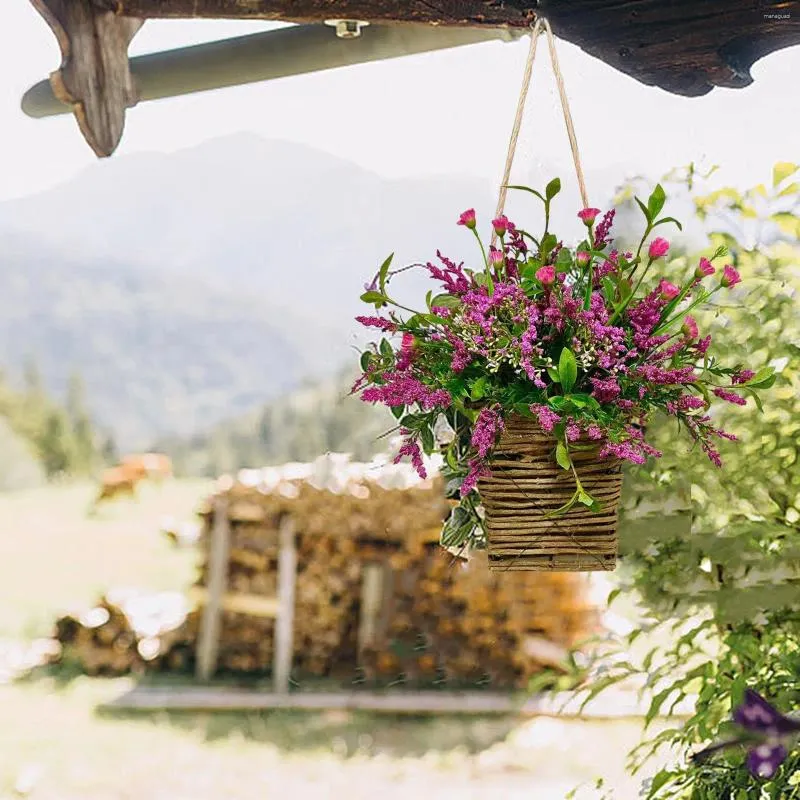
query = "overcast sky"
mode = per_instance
[{"x": 445, "y": 112}]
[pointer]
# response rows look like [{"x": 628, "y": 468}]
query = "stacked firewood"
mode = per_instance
[
  {"x": 126, "y": 631},
  {"x": 435, "y": 618}
]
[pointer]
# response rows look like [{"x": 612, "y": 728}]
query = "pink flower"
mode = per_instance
[
  {"x": 496, "y": 257},
  {"x": 658, "y": 247},
  {"x": 485, "y": 431},
  {"x": 742, "y": 376},
  {"x": 704, "y": 268},
  {"x": 477, "y": 469},
  {"x": 377, "y": 322},
  {"x": 588, "y": 216},
  {"x": 546, "y": 275},
  {"x": 669, "y": 291},
  {"x": 547, "y": 417},
  {"x": 500, "y": 225},
  {"x": 411, "y": 449},
  {"x": 689, "y": 328},
  {"x": 582, "y": 258},
  {"x": 731, "y": 397},
  {"x": 468, "y": 219},
  {"x": 730, "y": 277}
]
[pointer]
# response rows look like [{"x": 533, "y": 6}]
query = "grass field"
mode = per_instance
[{"x": 55, "y": 745}]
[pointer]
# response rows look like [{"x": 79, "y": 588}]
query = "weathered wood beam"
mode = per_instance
[
  {"x": 683, "y": 46},
  {"x": 94, "y": 77},
  {"x": 446, "y": 12}
]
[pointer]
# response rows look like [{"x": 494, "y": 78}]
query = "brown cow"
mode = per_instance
[
  {"x": 117, "y": 481},
  {"x": 151, "y": 465}
]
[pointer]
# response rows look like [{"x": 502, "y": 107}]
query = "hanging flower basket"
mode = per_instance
[
  {"x": 526, "y": 488},
  {"x": 534, "y": 374}
]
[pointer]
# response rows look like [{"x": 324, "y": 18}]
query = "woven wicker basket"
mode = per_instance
[{"x": 526, "y": 483}]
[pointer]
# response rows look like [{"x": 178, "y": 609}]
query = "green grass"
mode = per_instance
[{"x": 55, "y": 558}]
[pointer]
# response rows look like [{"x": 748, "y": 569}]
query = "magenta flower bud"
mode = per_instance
[
  {"x": 496, "y": 257},
  {"x": 588, "y": 216},
  {"x": 689, "y": 328},
  {"x": 730, "y": 277},
  {"x": 658, "y": 247},
  {"x": 468, "y": 219},
  {"x": 704, "y": 268},
  {"x": 669, "y": 291},
  {"x": 546, "y": 275},
  {"x": 582, "y": 258},
  {"x": 501, "y": 225}
]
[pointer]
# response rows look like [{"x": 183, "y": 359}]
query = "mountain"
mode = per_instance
[
  {"x": 158, "y": 354},
  {"x": 195, "y": 286}
]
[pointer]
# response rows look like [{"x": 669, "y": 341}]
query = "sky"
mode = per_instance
[{"x": 448, "y": 112}]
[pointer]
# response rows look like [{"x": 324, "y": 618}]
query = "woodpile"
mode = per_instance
[
  {"x": 127, "y": 631},
  {"x": 377, "y": 601}
]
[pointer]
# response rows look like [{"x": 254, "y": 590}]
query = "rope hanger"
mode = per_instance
[{"x": 541, "y": 25}]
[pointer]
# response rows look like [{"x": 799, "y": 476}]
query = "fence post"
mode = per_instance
[
  {"x": 211, "y": 623},
  {"x": 284, "y": 624}
]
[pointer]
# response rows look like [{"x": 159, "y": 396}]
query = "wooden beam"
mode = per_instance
[
  {"x": 284, "y": 625},
  {"x": 373, "y": 592},
  {"x": 519, "y": 13},
  {"x": 211, "y": 622},
  {"x": 94, "y": 77},
  {"x": 683, "y": 46}
]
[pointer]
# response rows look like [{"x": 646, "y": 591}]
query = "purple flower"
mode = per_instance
[
  {"x": 377, "y": 322},
  {"x": 548, "y": 418},
  {"x": 606, "y": 390},
  {"x": 402, "y": 389},
  {"x": 742, "y": 376},
  {"x": 411, "y": 449},
  {"x": 487, "y": 428},
  {"x": 477, "y": 470},
  {"x": 731, "y": 397},
  {"x": 601, "y": 234}
]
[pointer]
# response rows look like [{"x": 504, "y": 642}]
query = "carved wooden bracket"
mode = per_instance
[{"x": 94, "y": 77}]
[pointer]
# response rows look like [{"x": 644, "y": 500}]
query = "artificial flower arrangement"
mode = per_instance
[{"x": 579, "y": 344}]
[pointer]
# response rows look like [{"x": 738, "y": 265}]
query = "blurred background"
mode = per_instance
[{"x": 193, "y": 297}]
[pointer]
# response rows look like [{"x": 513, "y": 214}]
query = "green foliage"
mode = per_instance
[
  {"x": 729, "y": 584},
  {"x": 61, "y": 439}
]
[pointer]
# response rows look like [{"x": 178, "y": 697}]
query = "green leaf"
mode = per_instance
[
  {"x": 478, "y": 389},
  {"x": 445, "y": 301},
  {"x": 383, "y": 272},
  {"x": 398, "y": 411},
  {"x": 552, "y": 188},
  {"x": 386, "y": 349},
  {"x": 644, "y": 208},
  {"x": 763, "y": 379},
  {"x": 585, "y": 499},
  {"x": 782, "y": 170},
  {"x": 378, "y": 298},
  {"x": 562, "y": 456},
  {"x": 366, "y": 357},
  {"x": 553, "y": 373},
  {"x": 656, "y": 201},
  {"x": 428, "y": 442},
  {"x": 567, "y": 369},
  {"x": 549, "y": 241},
  {"x": 669, "y": 219},
  {"x": 527, "y": 189}
]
